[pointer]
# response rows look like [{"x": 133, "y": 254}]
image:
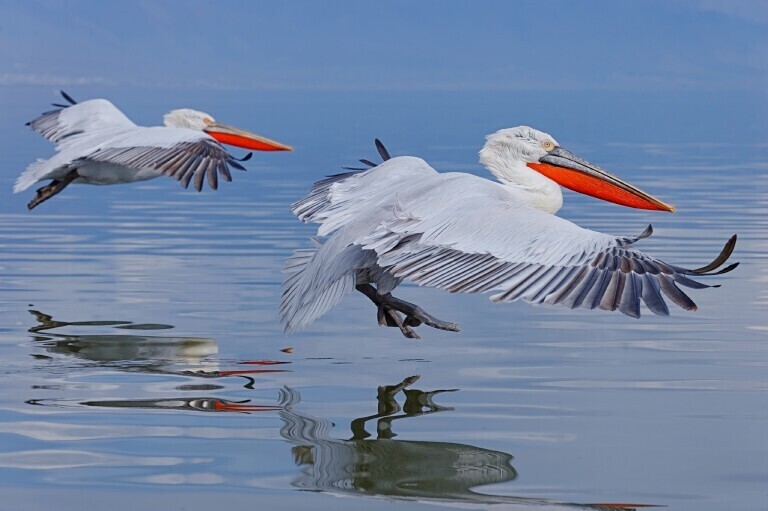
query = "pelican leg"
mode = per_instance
[
  {"x": 46, "y": 192},
  {"x": 390, "y": 307},
  {"x": 415, "y": 315},
  {"x": 387, "y": 316}
]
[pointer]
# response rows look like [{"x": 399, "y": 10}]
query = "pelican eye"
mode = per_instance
[
  {"x": 207, "y": 121},
  {"x": 548, "y": 145}
]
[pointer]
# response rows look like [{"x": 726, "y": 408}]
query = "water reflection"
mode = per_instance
[
  {"x": 167, "y": 355},
  {"x": 400, "y": 469},
  {"x": 197, "y": 404},
  {"x": 187, "y": 356},
  {"x": 370, "y": 463}
]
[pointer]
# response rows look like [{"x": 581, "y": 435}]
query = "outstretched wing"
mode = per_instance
[
  {"x": 182, "y": 154},
  {"x": 88, "y": 116},
  {"x": 459, "y": 237}
]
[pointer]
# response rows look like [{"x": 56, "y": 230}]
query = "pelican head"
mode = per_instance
[
  {"x": 512, "y": 153},
  {"x": 201, "y": 121}
]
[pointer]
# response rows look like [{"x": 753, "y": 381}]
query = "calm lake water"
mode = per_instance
[{"x": 144, "y": 366}]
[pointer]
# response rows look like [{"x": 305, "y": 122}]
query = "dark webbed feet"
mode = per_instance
[
  {"x": 46, "y": 192},
  {"x": 387, "y": 316},
  {"x": 389, "y": 309}
]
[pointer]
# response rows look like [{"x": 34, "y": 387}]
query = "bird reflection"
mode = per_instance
[
  {"x": 195, "y": 404},
  {"x": 402, "y": 469},
  {"x": 188, "y": 356},
  {"x": 372, "y": 462},
  {"x": 168, "y": 355}
]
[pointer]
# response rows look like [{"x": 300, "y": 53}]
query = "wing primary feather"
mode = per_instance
[
  {"x": 646, "y": 233},
  {"x": 185, "y": 167},
  {"x": 652, "y": 295},
  {"x": 233, "y": 163},
  {"x": 244, "y": 158},
  {"x": 68, "y": 97},
  {"x": 599, "y": 260},
  {"x": 626, "y": 241},
  {"x": 630, "y": 296},
  {"x": 612, "y": 262},
  {"x": 200, "y": 174},
  {"x": 674, "y": 293},
  {"x": 542, "y": 285},
  {"x": 333, "y": 178},
  {"x": 576, "y": 297},
  {"x": 625, "y": 264},
  {"x": 382, "y": 150},
  {"x": 213, "y": 177},
  {"x": 187, "y": 172},
  {"x": 613, "y": 292},
  {"x": 647, "y": 266},
  {"x": 687, "y": 282},
  {"x": 720, "y": 259},
  {"x": 164, "y": 162},
  {"x": 637, "y": 265},
  {"x": 177, "y": 166},
  {"x": 224, "y": 171},
  {"x": 595, "y": 294},
  {"x": 727, "y": 269}
]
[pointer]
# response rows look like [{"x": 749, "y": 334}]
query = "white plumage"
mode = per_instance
[{"x": 458, "y": 232}]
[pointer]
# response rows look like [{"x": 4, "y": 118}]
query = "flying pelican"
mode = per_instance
[
  {"x": 462, "y": 233},
  {"x": 97, "y": 144}
]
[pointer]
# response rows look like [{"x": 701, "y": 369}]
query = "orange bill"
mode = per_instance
[
  {"x": 251, "y": 371},
  {"x": 222, "y": 405},
  {"x": 574, "y": 173},
  {"x": 241, "y": 138},
  {"x": 622, "y": 506},
  {"x": 263, "y": 362}
]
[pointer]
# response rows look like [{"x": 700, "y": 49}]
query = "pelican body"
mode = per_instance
[
  {"x": 97, "y": 144},
  {"x": 462, "y": 233}
]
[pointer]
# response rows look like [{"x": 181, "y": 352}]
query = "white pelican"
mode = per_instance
[
  {"x": 462, "y": 233},
  {"x": 97, "y": 144}
]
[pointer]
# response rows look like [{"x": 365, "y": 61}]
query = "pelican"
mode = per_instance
[
  {"x": 97, "y": 144},
  {"x": 402, "y": 220}
]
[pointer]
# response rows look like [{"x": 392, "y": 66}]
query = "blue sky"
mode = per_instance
[{"x": 686, "y": 45}]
